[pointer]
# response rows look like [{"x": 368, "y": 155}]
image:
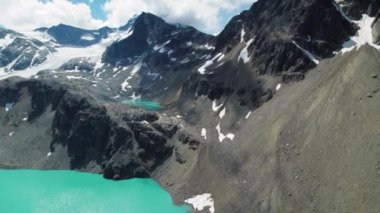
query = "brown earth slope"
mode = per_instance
[{"x": 315, "y": 147}]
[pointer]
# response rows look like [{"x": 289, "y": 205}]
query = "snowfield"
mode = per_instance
[
  {"x": 64, "y": 54},
  {"x": 363, "y": 36}
]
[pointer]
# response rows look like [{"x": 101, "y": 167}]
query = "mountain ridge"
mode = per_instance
[{"x": 279, "y": 110}]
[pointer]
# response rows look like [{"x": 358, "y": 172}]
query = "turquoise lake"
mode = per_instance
[
  {"x": 144, "y": 104},
  {"x": 32, "y": 191}
]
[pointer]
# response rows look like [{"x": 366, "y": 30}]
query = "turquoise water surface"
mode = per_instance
[
  {"x": 145, "y": 104},
  {"x": 31, "y": 191}
]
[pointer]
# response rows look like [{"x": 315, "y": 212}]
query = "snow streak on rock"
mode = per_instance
[
  {"x": 125, "y": 84},
  {"x": 244, "y": 55},
  {"x": 307, "y": 53},
  {"x": 218, "y": 57}
]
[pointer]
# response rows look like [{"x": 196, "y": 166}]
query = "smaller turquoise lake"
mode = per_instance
[
  {"x": 144, "y": 104},
  {"x": 32, "y": 191}
]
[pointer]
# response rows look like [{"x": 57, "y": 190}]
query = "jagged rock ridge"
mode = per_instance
[{"x": 111, "y": 139}]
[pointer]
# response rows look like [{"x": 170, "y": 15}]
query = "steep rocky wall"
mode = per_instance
[
  {"x": 95, "y": 136},
  {"x": 376, "y": 29}
]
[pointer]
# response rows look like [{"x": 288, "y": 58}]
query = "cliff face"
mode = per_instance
[
  {"x": 376, "y": 29},
  {"x": 275, "y": 27},
  {"x": 355, "y": 8},
  {"x": 273, "y": 42},
  {"x": 80, "y": 132}
]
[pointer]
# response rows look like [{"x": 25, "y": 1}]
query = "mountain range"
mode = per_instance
[{"x": 279, "y": 112}]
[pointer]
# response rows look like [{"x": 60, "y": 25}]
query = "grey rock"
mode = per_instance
[
  {"x": 376, "y": 29},
  {"x": 80, "y": 64}
]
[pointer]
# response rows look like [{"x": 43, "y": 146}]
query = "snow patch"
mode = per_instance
[
  {"x": 49, "y": 154},
  {"x": 185, "y": 61},
  {"x": 88, "y": 37},
  {"x": 244, "y": 52},
  {"x": 41, "y": 36},
  {"x": 242, "y": 34},
  {"x": 222, "y": 136},
  {"x": 135, "y": 97},
  {"x": 9, "y": 106},
  {"x": 7, "y": 40},
  {"x": 215, "y": 107},
  {"x": 363, "y": 35},
  {"x": 207, "y": 47},
  {"x": 218, "y": 57},
  {"x": 125, "y": 84},
  {"x": 10, "y": 66},
  {"x": 11, "y": 133},
  {"x": 161, "y": 48},
  {"x": 249, "y": 114},
  {"x": 124, "y": 34},
  {"x": 25, "y": 119},
  {"x": 278, "y": 87},
  {"x": 307, "y": 53},
  {"x": 222, "y": 113},
  {"x": 71, "y": 77},
  {"x": 204, "y": 133},
  {"x": 202, "y": 69},
  {"x": 201, "y": 202}
]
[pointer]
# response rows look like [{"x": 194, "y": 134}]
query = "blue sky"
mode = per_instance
[
  {"x": 96, "y": 8},
  {"x": 209, "y": 16}
]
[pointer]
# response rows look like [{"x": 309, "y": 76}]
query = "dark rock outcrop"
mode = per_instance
[
  {"x": 82, "y": 64},
  {"x": 275, "y": 27},
  {"x": 355, "y": 8},
  {"x": 376, "y": 29},
  {"x": 152, "y": 35},
  {"x": 119, "y": 142},
  {"x": 73, "y": 36},
  {"x": 165, "y": 54},
  {"x": 280, "y": 41}
]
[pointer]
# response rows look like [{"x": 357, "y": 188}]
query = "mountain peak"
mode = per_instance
[
  {"x": 278, "y": 27},
  {"x": 149, "y": 20},
  {"x": 147, "y": 31}
]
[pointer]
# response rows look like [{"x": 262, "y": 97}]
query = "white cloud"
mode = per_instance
[
  {"x": 25, "y": 15},
  {"x": 206, "y": 15}
]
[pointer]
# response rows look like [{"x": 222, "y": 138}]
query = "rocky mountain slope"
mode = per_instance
[
  {"x": 19, "y": 52},
  {"x": 162, "y": 55},
  {"x": 68, "y": 35},
  {"x": 314, "y": 147},
  {"x": 277, "y": 113},
  {"x": 71, "y": 129}
]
